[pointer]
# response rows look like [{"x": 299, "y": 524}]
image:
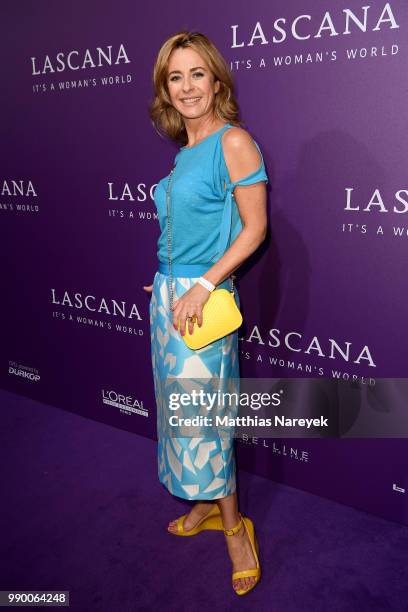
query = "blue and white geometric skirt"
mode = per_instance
[{"x": 195, "y": 468}]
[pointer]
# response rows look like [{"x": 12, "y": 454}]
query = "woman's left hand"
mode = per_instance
[{"x": 189, "y": 304}]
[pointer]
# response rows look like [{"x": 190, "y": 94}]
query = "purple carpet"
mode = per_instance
[{"x": 83, "y": 511}]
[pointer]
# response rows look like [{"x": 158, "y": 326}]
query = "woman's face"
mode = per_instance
[{"x": 190, "y": 83}]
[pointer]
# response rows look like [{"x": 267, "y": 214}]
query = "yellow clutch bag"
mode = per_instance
[{"x": 221, "y": 316}]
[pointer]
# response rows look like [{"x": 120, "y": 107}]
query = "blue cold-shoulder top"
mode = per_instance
[{"x": 204, "y": 217}]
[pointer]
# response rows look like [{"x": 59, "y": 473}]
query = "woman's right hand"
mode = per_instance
[{"x": 148, "y": 288}]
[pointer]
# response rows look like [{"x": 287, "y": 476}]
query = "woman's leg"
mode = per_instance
[{"x": 239, "y": 546}]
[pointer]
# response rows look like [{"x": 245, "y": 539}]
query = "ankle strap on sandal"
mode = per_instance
[{"x": 230, "y": 532}]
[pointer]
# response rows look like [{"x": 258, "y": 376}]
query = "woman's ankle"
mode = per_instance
[
  {"x": 231, "y": 518},
  {"x": 204, "y": 503}
]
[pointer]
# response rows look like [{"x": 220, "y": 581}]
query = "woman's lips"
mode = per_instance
[{"x": 191, "y": 101}]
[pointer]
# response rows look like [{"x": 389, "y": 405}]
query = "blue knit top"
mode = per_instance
[{"x": 204, "y": 217}]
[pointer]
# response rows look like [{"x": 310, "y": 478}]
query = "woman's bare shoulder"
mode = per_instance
[
  {"x": 236, "y": 137},
  {"x": 240, "y": 152}
]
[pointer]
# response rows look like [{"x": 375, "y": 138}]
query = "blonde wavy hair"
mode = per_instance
[{"x": 165, "y": 118}]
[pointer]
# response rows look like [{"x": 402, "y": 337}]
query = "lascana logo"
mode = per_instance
[
  {"x": 17, "y": 196},
  {"x": 95, "y": 304},
  {"x": 304, "y": 27},
  {"x": 125, "y": 192},
  {"x": 369, "y": 209},
  {"x": 18, "y": 188},
  {"x": 377, "y": 202},
  {"x": 76, "y": 60},
  {"x": 295, "y": 342}
]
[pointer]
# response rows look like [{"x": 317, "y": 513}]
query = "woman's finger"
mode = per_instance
[
  {"x": 176, "y": 316},
  {"x": 148, "y": 288},
  {"x": 191, "y": 324},
  {"x": 181, "y": 317},
  {"x": 182, "y": 324}
]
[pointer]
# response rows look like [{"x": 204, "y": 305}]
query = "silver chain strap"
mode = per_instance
[{"x": 171, "y": 286}]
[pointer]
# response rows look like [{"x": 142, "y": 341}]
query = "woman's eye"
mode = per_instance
[{"x": 196, "y": 74}]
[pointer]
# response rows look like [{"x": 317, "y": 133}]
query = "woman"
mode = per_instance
[{"x": 218, "y": 182}]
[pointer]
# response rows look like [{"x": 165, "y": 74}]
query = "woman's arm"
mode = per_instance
[{"x": 242, "y": 158}]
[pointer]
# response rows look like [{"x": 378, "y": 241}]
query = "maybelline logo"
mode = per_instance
[
  {"x": 304, "y": 27},
  {"x": 80, "y": 60},
  {"x": 126, "y": 403},
  {"x": 295, "y": 342},
  {"x": 377, "y": 202},
  {"x": 278, "y": 449},
  {"x": 96, "y": 304}
]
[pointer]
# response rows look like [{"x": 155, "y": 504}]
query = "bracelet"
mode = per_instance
[{"x": 206, "y": 283}]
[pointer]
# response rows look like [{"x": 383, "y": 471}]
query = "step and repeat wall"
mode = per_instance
[{"x": 322, "y": 89}]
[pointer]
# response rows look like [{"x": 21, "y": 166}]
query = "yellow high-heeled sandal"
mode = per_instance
[
  {"x": 211, "y": 521},
  {"x": 255, "y": 571}
]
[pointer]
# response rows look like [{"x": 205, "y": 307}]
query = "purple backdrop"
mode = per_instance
[{"x": 322, "y": 88}]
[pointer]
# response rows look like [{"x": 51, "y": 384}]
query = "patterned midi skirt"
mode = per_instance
[{"x": 199, "y": 467}]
